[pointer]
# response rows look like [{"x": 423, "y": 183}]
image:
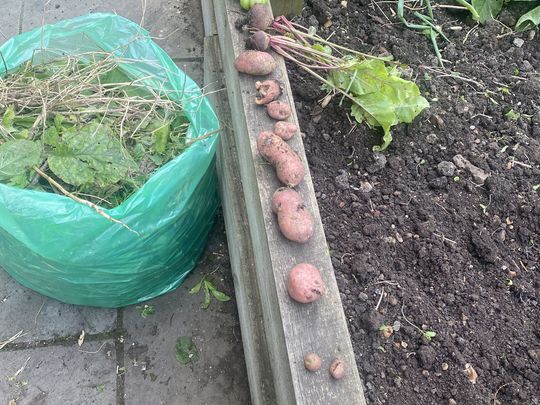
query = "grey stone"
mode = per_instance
[
  {"x": 154, "y": 376},
  {"x": 518, "y": 42},
  {"x": 365, "y": 187},
  {"x": 479, "y": 176},
  {"x": 379, "y": 162},
  {"x": 60, "y": 375},
  {"x": 363, "y": 296},
  {"x": 526, "y": 66},
  {"x": 326, "y": 136},
  {"x": 446, "y": 168},
  {"x": 176, "y": 25},
  {"x": 342, "y": 180},
  {"x": 431, "y": 139},
  {"x": 20, "y": 310}
]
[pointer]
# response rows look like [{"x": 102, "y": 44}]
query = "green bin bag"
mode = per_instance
[{"x": 67, "y": 251}]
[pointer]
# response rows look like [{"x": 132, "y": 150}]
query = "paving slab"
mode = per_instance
[
  {"x": 43, "y": 318},
  {"x": 193, "y": 70},
  {"x": 59, "y": 375},
  {"x": 177, "y": 22},
  {"x": 153, "y": 375}
]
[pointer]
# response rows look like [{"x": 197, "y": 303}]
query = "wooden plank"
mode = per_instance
[
  {"x": 238, "y": 237},
  {"x": 292, "y": 330}
]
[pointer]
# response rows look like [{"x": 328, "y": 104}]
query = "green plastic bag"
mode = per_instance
[{"x": 66, "y": 250}]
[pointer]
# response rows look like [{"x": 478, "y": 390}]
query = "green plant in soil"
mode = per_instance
[
  {"x": 209, "y": 289},
  {"x": 79, "y": 125},
  {"x": 371, "y": 86},
  {"x": 483, "y": 11},
  {"x": 146, "y": 310}
]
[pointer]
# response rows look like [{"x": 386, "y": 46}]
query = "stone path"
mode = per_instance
[{"x": 125, "y": 358}]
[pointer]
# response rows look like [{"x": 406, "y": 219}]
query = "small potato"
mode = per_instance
[
  {"x": 312, "y": 362},
  {"x": 285, "y": 130},
  {"x": 337, "y": 369},
  {"x": 260, "y": 16},
  {"x": 255, "y": 63},
  {"x": 279, "y": 110},
  {"x": 305, "y": 284},
  {"x": 295, "y": 221},
  {"x": 289, "y": 167},
  {"x": 268, "y": 90},
  {"x": 259, "y": 41}
]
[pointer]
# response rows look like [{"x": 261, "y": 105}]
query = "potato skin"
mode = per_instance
[
  {"x": 255, "y": 63},
  {"x": 337, "y": 369},
  {"x": 285, "y": 130},
  {"x": 289, "y": 167},
  {"x": 295, "y": 221},
  {"x": 268, "y": 91},
  {"x": 312, "y": 362},
  {"x": 279, "y": 110},
  {"x": 260, "y": 16},
  {"x": 259, "y": 41},
  {"x": 305, "y": 284}
]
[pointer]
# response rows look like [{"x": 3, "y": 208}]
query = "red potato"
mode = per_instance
[
  {"x": 268, "y": 90},
  {"x": 295, "y": 221},
  {"x": 260, "y": 16},
  {"x": 260, "y": 41},
  {"x": 305, "y": 283},
  {"x": 312, "y": 362},
  {"x": 285, "y": 130},
  {"x": 255, "y": 63},
  {"x": 337, "y": 369},
  {"x": 289, "y": 167},
  {"x": 279, "y": 110}
]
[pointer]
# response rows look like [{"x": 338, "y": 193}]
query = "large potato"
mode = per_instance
[
  {"x": 295, "y": 221},
  {"x": 289, "y": 167},
  {"x": 255, "y": 63},
  {"x": 305, "y": 284}
]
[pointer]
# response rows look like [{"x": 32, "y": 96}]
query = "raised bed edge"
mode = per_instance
[{"x": 291, "y": 329}]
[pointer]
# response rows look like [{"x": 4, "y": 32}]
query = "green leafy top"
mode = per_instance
[{"x": 379, "y": 96}]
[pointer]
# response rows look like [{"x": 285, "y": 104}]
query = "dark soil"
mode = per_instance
[{"x": 454, "y": 255}]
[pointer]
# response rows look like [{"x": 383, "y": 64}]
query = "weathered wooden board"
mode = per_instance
[
  {"x": 238, "y": 236},
  {"x": 291, "y": 329}
]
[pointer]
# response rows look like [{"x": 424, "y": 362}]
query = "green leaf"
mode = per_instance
[
  {"x": 17, "y": 156},
  {"x": 529, "y": 20},
  {"x": 197, "y": 288},
  {"x": 58, "y": 119},
  {"x": 322, "y": 48},
  {"x": 8, "y": 118},
  {"x": 51, "y": 137},
  {"x": 512, "y": 115},
  {"x": 161, "y": 136},
  {"x": 92, "y": 156},
  {"x": 487, "y": 9},
  {"x": 429, "y": 335},
  {"x": 206, "y": 302},
  {"x": 186, "y": 351},
  {"x": 218, "y": 295},
  {"x": 381, "y": 97}
]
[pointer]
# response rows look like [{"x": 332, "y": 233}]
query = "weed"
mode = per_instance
[
  {"x": 210, "y": 290},
  {"x": 146, "y": 310}
]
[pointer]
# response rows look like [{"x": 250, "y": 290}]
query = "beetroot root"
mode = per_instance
[
  {"x": 255, "y": 63},
  {"x": 260, "y": 41},
  {"x": 305, "y": 284},
  {"x": 285, "y": 130},
  {"x": 268, "y": 90},
  {"x": 279, "y": 110},
  {"x": 289, "y": 167},
  {"x": 260, "y": 16},
  {"x": 294, "y": 219}
]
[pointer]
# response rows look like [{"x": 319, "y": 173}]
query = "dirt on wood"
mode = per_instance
[{"x": 441, "y": 230}]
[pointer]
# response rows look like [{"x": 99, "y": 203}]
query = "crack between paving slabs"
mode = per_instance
[{"x": 120, "y": 364}]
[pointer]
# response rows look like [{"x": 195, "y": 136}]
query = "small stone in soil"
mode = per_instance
[
  {"x": 518, "y": 42},
  {"x": 365, "y": 187},
  {"x": 378, "y": 164},
  {"x": 326, "y": 136},
  {"x": 431, "y": 138},
  {"x": 363, "y": 296},
  {"x": 446, "y": 168},
  {"x": 342, "y": 181}
]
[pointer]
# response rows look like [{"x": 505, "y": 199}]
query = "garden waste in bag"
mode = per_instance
[{"x": 69, "y": 251}]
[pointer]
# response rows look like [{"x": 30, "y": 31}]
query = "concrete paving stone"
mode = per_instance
[
  {"x": 10, "y": 19},
  {"x": 59, "y": 375},
  {"x": 19, "y": 307},
  {"x": 177, "y": 22},
  {"x": 155, "y": 376},
  {"x": 193, "y": 70}
]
